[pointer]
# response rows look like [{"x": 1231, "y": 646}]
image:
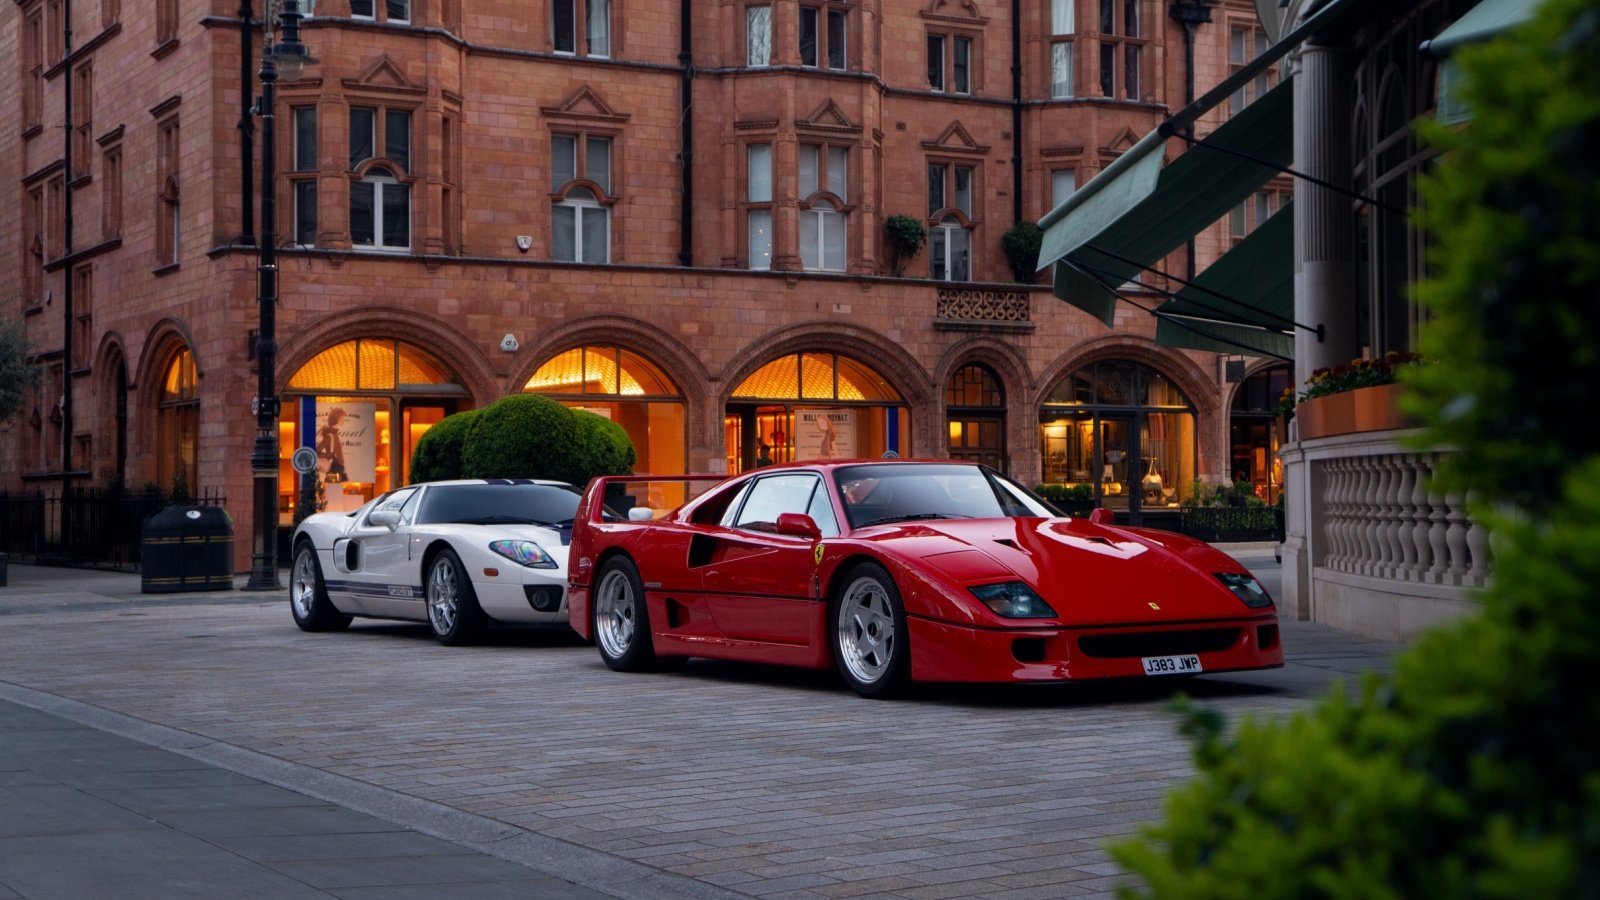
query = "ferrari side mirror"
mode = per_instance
[
  {"x": 641, "y": 514},
  {"x": 799, "y": 525}
]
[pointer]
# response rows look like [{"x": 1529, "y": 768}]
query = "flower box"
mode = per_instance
[{"x": 1347, "y": 412}]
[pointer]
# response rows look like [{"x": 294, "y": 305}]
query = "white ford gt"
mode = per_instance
[{"x": 459, "y": 555}]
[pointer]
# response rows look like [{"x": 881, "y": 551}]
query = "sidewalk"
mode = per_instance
[{"x": 87, "y": 813}]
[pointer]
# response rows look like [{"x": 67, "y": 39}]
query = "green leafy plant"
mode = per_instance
[
  {"x": 1021, "y": 243},
  {"x": 18, "y": 374},
  {"x": 1359, "y": 373},
  {"x": 905, "y": 235},
  {"x": 529, "y": 436},
  {"x": 1474, "y": 770},
  {"x": 437, "y": 455}
]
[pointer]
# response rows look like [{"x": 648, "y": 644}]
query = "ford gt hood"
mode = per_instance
[{"x": 1090, "y": 574}]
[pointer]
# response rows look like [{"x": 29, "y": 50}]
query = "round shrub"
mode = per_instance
[
  {"x": 529, "y": 436},
  {"x": 437, "y": 456}
]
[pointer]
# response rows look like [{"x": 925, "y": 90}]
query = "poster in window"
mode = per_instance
[
  {"x": 346, "y": 442},
  {"x": 825, "y": 434}
]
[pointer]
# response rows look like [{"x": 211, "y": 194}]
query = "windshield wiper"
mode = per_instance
[
  {"x": 500, "y": 520},
  {"x": 913, "y": 517}
]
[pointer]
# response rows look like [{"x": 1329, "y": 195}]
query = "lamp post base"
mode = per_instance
[{"x": 264, "y": 563}]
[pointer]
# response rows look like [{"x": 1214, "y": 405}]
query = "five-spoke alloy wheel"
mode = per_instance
[
  {"x": 870, "y": 630},
  {"x": 621, "y": 619}
]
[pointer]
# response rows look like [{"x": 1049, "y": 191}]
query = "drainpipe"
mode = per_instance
[
  {"x": 1016, "y": 110},
  {"x": 1191, "y": 14},
  {"x": 67, "y": 291},
  {"x": 247, "y": 128},
  {"x": 686, "y": 206}
]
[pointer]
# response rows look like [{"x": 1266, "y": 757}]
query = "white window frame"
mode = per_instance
[
  {"x": 382, "y": 181},
  {"x": 942, "y": 233},
  {"x": 583, "y": 208}
]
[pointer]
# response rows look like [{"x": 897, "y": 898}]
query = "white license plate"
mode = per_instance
[{"x": 1171, "y": 665}]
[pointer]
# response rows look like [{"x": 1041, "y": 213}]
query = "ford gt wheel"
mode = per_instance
[
  {"x": 621, "y": 621},
  {"x": 453, "y": 613},
  {"x": 870, "y": 644},
  {"x": 308, "y": 595}
]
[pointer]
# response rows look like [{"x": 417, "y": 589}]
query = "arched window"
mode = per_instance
[
  {"x": 178, "y": 426},
  {"x": 1123, "y": 431},
  {"x": 628, "y": 389},
  {"x": 975, "y": 413},
  {"x": 950, "y": 250},
  {"x": 824, "y": 191},
  {"x": 380, "y": 211},
  {"x": 580, "y": 209},
  {"x": 1254, "y": 432},
  {"x": 813, "y": 405},
  {"x": 363, "y": 405}
]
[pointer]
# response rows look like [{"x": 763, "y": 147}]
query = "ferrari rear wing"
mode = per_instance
[{"x": 658, "y": 494}]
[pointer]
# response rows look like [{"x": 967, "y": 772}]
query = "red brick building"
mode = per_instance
[{"x": 480, "y": 198}]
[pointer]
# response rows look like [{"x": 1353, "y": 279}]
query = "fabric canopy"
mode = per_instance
[
  {"x": 1486, "y": 21},
  {"x": 1243, "y": 303},
  {"x": 1135, "y": 219},
  {"x": 1135, "y": 211}
]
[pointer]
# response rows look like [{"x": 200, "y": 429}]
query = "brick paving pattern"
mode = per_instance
[{"x": 769, "y": 782}]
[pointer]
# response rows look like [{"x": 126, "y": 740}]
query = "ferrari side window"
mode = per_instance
[
  {"x": 772, "y": 496},
  {"x": 730, "y": 513},
  {"x": 821, "y": 512}
]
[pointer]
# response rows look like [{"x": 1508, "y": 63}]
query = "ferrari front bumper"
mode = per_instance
[{"x": 941, "y": 651}]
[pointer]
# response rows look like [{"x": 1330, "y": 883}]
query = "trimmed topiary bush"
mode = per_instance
[
  {"x": 529, "y": 436},
  {"x": 437, "y": 456},
  {"x": 1021, "y": 243},
  {"x": 1474, "y": 770}
]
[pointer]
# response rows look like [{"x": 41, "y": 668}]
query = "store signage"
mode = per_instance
[
  {"x": 825, "y": 434},
  {"x": 304, "y": 460}
]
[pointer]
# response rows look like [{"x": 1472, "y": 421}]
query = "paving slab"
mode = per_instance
[{"x": 715, "y": 781}]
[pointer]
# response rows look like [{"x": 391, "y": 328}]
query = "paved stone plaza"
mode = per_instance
[{"x": 765, "y": 782}]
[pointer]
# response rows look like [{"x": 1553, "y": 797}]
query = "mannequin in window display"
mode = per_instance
[{"x": 1152, "y": 484}]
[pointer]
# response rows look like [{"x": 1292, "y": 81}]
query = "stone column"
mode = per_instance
[{"x": 1324, "y": 229}]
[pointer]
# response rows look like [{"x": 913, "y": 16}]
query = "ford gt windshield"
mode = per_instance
[
  {"x": 499, "y": 504},
  {"x": 879, "y": 494}
]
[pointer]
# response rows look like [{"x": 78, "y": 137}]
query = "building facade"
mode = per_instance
[{"x": 671, "y": 214}]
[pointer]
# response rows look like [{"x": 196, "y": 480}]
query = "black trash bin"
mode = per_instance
[{"x": 187, "y": 548}]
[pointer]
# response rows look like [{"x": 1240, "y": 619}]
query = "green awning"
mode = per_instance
[
  {"x": 1483, "y": 22},
  {"x": 1134, "y": 212},
  {"x": 1486, "y": 21},
  {"x": 1244, "y": 302},
  {"x": 1144, "y": 212}
]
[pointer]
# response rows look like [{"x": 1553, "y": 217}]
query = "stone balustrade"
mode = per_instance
[
  {"x": 960, "y": 308},
  {"x": 1381, "y": 519}
]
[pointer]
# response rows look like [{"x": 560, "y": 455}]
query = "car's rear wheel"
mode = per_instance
[
  {"x": 870, "y": 640},
  {"x": 453, "y": 612},
  {"x": 621, "y": 619},
  {"x": 308, "y": 594}
]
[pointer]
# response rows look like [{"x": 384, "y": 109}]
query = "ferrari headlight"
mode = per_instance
[
  {"x": 524, "y": 553},
  {"x": 1014, "y": 600},
  {"x": 1246, "y": 588}
]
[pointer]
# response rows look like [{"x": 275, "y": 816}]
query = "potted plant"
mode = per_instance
[
  {"x": 906, "y": 236},
  {"x": 1357, "y": 396}
]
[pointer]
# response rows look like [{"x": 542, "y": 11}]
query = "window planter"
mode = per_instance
[{"x": 1348, "y": 412}]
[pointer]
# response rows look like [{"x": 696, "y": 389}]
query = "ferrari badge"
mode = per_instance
[
  {"x": 817, "y": 554},
  {"x": 1153, "y": 606}
]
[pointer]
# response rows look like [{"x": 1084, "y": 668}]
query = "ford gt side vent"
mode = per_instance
[{"x": 1158, "y": 643}]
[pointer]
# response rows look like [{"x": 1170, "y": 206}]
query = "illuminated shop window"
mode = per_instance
[
  {"x": 813, "y": 405},
  {"x": 178, "y": 426},
  {"x": 628, "y": 389},
  {"x": 362, "y": 405}
]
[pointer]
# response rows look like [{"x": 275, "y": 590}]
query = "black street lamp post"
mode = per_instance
[{"x": 287, "y": 57}]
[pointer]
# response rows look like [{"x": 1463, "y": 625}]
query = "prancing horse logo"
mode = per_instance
[
  {"x": 817, "y": 553},
  {"x": 1153, "y": 606}
]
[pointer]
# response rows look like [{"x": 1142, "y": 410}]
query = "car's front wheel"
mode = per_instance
[
  {"x": 453, "y": 612},
  {"x": 870, "y": 640},
  {"x": 308, "y": 595},
  {"x": 621, "y": 620}
]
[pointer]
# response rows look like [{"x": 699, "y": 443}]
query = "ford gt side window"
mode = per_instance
[
  {"x": 395, "y": 500},
  {"x": 772, "y": 496}
]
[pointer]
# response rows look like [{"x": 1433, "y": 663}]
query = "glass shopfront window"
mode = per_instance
[
  {"x": 813, "y": 405},
  {"x": 628, "y": 389},
  {"x": 1124, "y": 431},
  {"x": 178, "y": 426},
  {"x": 362, "y": 406},
  {"x": 1255, "y": 431}
]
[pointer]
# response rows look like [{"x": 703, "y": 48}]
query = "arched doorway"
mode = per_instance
[
  {"x": 1254, "y": 432},
  {"x": 628, "y": 389},
  {"x": 363, "y": 405},
  {"x": 813, "y": 405},
  {"x": 178, "y": 426},
  {"x": 1123, "y": 433},
  {"x": 975, "y": 415}
]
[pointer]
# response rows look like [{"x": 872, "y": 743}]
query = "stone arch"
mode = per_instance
[
  {"x": 110, "y": 361},
  {"x": 1011, "y": 367},
  {"x": 163, "y": 340},
  {"x": 455, "y": 350},
  {"x": 885, "y": 356},
  {"x": 1230, "y": 392},
  {"x": 661, "y": 348}
]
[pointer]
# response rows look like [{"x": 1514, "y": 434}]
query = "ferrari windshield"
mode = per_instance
[
  {"x": 499, "y": 504},
  {"x": 876, "y": 494}
]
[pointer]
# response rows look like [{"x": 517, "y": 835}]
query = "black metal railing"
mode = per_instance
[
  {"x": 1231, "y": 524},
  {"x": 103, "y": 526}
]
